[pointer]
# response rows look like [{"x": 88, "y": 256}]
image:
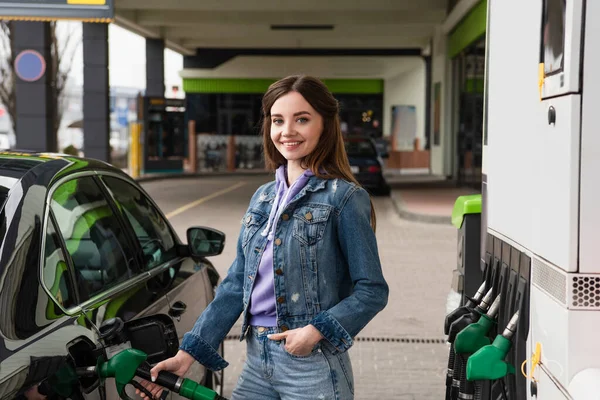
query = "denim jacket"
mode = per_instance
[{"x": 326, "y": 266}]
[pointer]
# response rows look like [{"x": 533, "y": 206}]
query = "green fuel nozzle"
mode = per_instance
[
  {"x": 129, "y": 363},
  {"x": 488, "y": 362},
  {"x": 456, "y": 364},
  {"x": 474, "y": 337},
  {"x": 470, "y": 340}
]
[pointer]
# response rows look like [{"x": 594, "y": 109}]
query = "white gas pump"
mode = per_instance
[{"x": 542, "y": 192}]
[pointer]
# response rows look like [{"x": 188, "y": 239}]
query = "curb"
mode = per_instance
[
  {"x": 410, "y": 216},
  {"x": 198, "y": 175}
]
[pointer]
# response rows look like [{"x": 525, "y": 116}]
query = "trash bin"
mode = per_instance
[{"x": 466, "y": 217}]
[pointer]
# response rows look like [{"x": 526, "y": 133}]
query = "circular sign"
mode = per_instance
[{"x": 30, "y": 65}]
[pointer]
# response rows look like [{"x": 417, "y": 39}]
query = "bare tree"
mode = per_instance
[
  {"x": 63, "y": 44},
  {"x": 7, "y": 73}
]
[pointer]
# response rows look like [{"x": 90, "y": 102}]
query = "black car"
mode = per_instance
[
  {"x": 366, "y": 165},
  {"x": 81, "y": 243}
]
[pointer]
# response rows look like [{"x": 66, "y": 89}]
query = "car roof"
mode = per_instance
[
  {"x": 15, "y": 164},
  {"x": 15, "y": 161}
]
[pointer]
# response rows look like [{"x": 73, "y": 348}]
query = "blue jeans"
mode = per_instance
[{"x": 271, "y": 372}]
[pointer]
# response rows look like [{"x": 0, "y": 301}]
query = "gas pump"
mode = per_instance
[
  {"x": 164, "y": 135},
  {"x": 541, "y": 196}
]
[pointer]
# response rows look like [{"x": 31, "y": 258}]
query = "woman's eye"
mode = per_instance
[
  {"x": 302, "y": 120},
  {"x": 277, "y": 121}
]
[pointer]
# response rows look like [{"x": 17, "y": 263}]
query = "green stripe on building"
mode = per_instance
[
  {"x": 471, "y": 28},
  {"x": 253, "y": 86},
  {"x": 474, "y": 85}
]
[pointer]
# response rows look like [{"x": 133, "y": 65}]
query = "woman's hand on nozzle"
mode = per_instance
[{"x": 179, "y": 365}]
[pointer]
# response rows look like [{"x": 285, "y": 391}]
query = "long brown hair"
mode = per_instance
[{"x": 329, "y": 159}]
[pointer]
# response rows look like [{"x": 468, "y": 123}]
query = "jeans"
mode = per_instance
[{"x": 270, "y": 372}]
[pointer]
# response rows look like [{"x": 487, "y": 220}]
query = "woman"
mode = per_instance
[{"x": 307, "y": 275}]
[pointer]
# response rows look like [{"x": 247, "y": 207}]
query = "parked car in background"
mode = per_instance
[
  {"x": 81, "y": 242},
  {"x": 367, "y": 164}
]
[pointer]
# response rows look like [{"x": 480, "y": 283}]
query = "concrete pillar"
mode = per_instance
[
  {"x": 428, "y": 114},
  {"x": 34, "y": 91},
  {"x": 231, "y": 153},
  {"x": 192, "y": 147},
  {"x": 96, "y": 92},
  {"x": 155, "y": 67}
]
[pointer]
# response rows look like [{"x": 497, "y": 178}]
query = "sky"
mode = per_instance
[{"x": 127, "y": 58}]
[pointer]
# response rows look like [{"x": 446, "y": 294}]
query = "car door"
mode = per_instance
[
  {"x": 92, "y": 250},
  {"x": 187, "y": 283}
]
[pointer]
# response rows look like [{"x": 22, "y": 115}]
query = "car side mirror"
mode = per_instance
[{"x": 205, "y": 242}]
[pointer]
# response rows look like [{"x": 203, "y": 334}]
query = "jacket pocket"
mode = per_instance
[
  {"x": 252, "y": 221},
  {"x": 310, "y": 222}
]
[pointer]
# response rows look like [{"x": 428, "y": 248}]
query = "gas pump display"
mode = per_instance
[{"x": 164, "y": 137}]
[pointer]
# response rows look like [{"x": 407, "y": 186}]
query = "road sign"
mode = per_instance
[
  {"x": 52, "y": 10},
  {"x": 30, "y": 65}
]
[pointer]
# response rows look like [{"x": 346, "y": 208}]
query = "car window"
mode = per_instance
[
  {"x": 362, "y": 148},
  {"x": 56, "y": 271},
  {"x": 94, "y": 237},
  {"x": 151, "y": 229}
]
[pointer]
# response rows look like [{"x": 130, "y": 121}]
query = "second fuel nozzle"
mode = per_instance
[{"x": 488, "y": 362}]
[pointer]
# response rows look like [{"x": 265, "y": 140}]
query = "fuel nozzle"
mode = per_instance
[
  {"x": 469, "y": 341},
  {"x": 510, "y": 329},
  {"x": 460, "y": 311},
  {"x": 470, "y": 317},
  {"x": 467, "y": 308},
  {"x": 488, "y": 362},
  {"x": 484, "y": 304},
  {"x": 474, "y": 336},
  {"x": 456, "y": 364}
]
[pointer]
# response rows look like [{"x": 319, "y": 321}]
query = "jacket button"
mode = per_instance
[
  {"x": 248, "y": 219},
  {"x": 285, "y": 217},
  {"x": 284, "y": 328},
  {"x": 281, "y": 300},
  {"x": 279, "y": 271},
  {"x": 277, "y": 242},
  {"x": 308, "y": 216}
]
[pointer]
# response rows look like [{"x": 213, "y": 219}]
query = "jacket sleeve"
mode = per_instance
[
  {"x": 222, "y": 313},
  {"x": 218, "y": 318},
  {"x": 357, "y": 242}
]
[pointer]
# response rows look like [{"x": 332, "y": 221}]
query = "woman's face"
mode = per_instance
[{"x": 295, "y": 126}]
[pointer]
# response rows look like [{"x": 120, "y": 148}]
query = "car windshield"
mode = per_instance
[{"x": 360, "y": 148}]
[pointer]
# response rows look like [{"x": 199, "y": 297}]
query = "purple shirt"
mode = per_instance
[{"x": 263, "y": 311}]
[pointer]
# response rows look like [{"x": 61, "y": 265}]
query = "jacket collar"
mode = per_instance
[{"x": 314, "y": 184}]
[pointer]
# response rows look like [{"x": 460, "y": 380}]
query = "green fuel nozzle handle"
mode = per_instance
[
  {"x": 488, "y": 362},
  {"x": 123, "y": 367},
  {"x": 474, "y": 337},
  {"x": 130, "y": 363}
]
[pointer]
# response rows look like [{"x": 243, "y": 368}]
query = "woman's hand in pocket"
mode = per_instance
[{"x": 299, "y": 342}]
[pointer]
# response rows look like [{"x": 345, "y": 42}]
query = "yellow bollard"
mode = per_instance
[{"x": 135, "y": 149}]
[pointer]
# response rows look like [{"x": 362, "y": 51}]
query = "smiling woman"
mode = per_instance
[{"x": 313, "y": 224}]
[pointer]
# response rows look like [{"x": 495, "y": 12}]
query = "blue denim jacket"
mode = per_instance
[{"x": 326, "y": 264}]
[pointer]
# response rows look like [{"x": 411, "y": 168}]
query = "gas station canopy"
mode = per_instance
[{"x": 188, "y": 25}]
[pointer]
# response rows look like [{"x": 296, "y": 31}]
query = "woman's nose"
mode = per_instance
[{"x": 287, "y": 130}]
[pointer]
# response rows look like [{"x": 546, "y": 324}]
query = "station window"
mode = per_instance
[{"x": 553, "y": 36}]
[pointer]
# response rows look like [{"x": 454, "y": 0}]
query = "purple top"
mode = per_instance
[{"x": 263, "y": 311}]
